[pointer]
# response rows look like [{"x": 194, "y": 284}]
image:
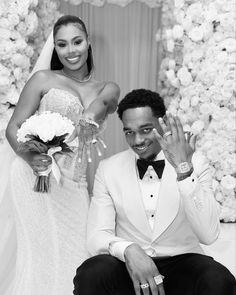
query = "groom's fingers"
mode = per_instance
[
  {"x": 192, "y": 141},
  {"x": 158, "y": 137}
]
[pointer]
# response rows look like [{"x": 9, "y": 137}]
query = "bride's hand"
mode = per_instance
[
  {"x": 87, "y": 132},
  {"x": 38, "y": 162}
]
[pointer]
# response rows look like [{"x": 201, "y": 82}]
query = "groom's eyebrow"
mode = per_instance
[{"x": 140, "y": 127}]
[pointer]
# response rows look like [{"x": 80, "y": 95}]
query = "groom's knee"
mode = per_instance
[{"x": 94, "y": 271}]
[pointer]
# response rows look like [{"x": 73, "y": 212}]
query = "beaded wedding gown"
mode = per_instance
[{"x": 51, "y": 227}]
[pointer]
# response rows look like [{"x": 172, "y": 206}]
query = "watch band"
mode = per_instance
[{"x": 184, "y": 168}]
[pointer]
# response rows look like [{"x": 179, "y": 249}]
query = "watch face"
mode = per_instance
[{"x": 183, "y": 167}]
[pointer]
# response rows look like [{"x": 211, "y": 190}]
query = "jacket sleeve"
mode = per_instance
[
  {"x": 101, "y": 218},
  {"x": 201, "y": 208}
]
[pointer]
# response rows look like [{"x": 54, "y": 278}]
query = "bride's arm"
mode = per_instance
[
  {"x": 27, "y": 105},
  {"x": 105, "y": 103}
]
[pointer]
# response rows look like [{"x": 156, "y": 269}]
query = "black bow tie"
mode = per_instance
[{"x": 158, "y": 166}]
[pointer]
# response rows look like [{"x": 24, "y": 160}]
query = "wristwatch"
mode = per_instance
[{"x": 184, "y": 168}]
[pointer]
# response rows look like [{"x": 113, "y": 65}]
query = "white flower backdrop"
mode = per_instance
[{"x": 197, "y": 76}]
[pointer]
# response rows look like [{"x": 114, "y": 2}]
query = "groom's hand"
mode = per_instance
[
  {"x": 177, "y": 147},
  {"x": 142, "y": 270}
]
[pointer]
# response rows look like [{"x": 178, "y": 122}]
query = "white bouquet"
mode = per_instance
[{"x": 45, "y": 133}]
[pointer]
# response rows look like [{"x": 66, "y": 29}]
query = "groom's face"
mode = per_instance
[{"x": 138, "y": 124}]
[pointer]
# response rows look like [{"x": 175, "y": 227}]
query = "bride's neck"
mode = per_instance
[{"x": 80, "y": 74}]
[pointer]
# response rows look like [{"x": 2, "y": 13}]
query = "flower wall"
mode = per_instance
[
  {"x": 197, "y": 80},
  {"x": 123, "y": 3},
  {"x": 22, "y": 37}
]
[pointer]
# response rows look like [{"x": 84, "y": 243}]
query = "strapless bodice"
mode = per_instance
[{"x": 63, "y": 102}]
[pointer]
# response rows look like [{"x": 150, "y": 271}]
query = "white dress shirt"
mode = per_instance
[{"x": 149, "y": 186}]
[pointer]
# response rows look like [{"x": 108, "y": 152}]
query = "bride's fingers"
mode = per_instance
[
  {"x": 89, "y": 154},
  {"x": 102, "y": 142},
  {"x": 97, "y": 148},
  {"x": 72, "y": 136},
  {"x": 80, "y": 151}
]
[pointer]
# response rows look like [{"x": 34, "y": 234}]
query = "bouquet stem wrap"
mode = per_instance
[{"x": 42, "y": 181}]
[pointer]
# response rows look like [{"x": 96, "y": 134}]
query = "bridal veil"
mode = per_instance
[{"x": 8, "y": 243}]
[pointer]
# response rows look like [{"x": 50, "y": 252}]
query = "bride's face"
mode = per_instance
[{"x": 71, "y": 45}]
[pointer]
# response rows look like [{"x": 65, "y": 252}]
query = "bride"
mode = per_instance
[{"x": 51, "y": 227}]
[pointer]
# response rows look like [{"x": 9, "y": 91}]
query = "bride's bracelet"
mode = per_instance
[{"x": 83, "y": 121}]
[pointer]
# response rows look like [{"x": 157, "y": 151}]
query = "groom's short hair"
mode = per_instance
[{"x": 142, "y": 98}]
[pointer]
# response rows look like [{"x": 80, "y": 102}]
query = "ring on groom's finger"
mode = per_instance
[
  {"x": 167, "y": 133},
  {"x": 144, "y": 286},
  {"x": 158, "y": 279}
]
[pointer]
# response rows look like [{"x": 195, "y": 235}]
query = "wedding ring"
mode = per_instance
[
  {"x": 167, "y": 133},
  {"x": 158, "y": 279},
  {"x": 144, "y": 286}
]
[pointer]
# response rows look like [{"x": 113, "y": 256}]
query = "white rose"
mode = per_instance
[
  {"x": 20, "y": 60},
  {"x": 195, "y": 12},
  {"x": 205, "y": 108},
  {"x": 170, "y": 74},
  {"x": 215, "y": 184},
  {"x": 5, "y": 82},
  {"x": 169, "y": 34},
  {"x": 179, "y": 3},
  {"x": 218, "y": 36},
  {"x": 207, "y": 30},
  {"x": 197, "y": 54},
  {"x": 13, "y": 18},
  {"x": 175, "y": 82},
  {"x": 5, "y": 33},
  {"x": 4, "y": 23},
  {"x": 184, "y": 104},
  {"x": 231, "y": 57},
  {"x": 178, "y": 32},
  {"x": 228, "y": 44},
  {"x": 184, "y": 76},
  {"x": 17, "y": 73},
  {"x": 194, "y": 100},
  {"x": 222, "y": 57},
  {"x": 170, "y": 45},
  {"x": 228, "y": 182},
  {"x": 187, "y": 23},
  {"x": 197, "y": 126},
  {"x": 211, "y": 13},
  {"x": 196, "y": 34},
  {"x": 219, "y": 197},
  {"x": 171, "y": 64}
]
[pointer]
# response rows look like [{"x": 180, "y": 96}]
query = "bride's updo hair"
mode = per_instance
[{"x": 63, "y": 21}]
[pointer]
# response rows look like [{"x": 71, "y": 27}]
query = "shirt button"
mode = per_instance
[
  {"x": 152, "y": 215},
  {"x": 151, "y": 177},
  {"x": 192, "y": 180},
  {"x": 151, "y": 196}
]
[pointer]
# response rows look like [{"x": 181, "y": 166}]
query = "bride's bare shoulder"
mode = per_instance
[{"x": 44, "y": 76}]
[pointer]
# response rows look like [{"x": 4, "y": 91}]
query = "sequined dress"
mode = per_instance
[{"x": 51, "y": 228}]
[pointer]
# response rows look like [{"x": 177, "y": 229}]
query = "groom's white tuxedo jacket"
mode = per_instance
[{"x": 186, "y": 211}]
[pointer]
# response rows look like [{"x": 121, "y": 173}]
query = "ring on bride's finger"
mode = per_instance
[
  {"x": 167, "y": 133},
  {"x": 144, "y": 286},
  {"x": 158, "y": 279}
]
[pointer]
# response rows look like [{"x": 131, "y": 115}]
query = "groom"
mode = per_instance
[{"x": 152, "y": 206}]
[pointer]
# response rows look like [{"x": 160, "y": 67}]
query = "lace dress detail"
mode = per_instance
[{"x": 51, "y": 228}]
